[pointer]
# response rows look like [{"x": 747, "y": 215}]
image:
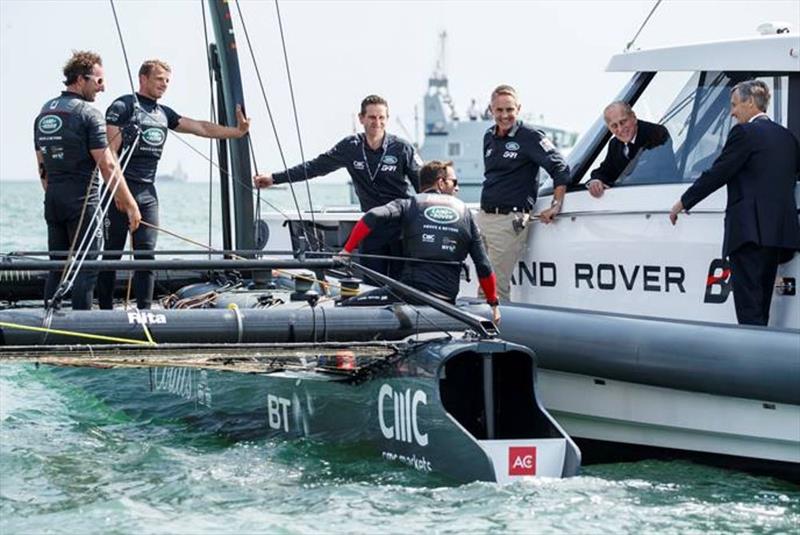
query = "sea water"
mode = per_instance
[{"x": 71, "y": 464}]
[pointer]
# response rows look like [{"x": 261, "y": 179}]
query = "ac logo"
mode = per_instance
[
  {"x": 404, "y": 426},
  {"x": 522, "y": 461}
]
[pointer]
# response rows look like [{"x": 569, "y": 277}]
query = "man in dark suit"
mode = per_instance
[
  {"x": 647, "y": 145},
  {"x": 759, "y": 164}
]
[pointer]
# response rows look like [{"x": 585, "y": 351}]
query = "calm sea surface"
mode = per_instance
[{"x": 71, "y": 464}]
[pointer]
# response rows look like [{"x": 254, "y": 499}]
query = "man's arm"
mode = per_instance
[
  {"x": 547, "y": 216},
  {"x": 486, "y": 277},
  {"x": 605, "y": 175},
  {"x": 731, "y": 159},
  {"x": 545, "y": 154},
  {"x": 325, "y": 163},
  {"x": 42, "y": 169},
  {"x": 112, "y": 174},
  {"x": 214, "y": 130},
  {"x": 413, "y": 166},
  {"x": 734, "y": 154},
  {"x": 114, "y": 137},
  {"x": 377, "y": 216}
]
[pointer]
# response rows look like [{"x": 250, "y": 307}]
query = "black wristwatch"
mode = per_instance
[{"x": 493, "y": 302}]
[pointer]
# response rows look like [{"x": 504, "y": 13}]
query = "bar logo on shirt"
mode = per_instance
[
  {"x": 49, "y": 124},
  {"x": 153, "y": 137},
  {"x": 391, "y": 160},
  {"x": 444, "y": 215},
  {"x": 512, "y": 145}
]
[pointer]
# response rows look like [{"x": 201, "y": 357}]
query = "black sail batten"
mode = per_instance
[{"x": 232, "y": 94}]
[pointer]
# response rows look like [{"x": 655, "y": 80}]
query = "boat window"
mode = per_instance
[{"x": 696, "y": 113}]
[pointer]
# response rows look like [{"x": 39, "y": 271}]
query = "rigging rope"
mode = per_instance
[
  {"x": 297, "y": 126},
  {"x": 632, "y": 41},
  {"x": 77, "y": 255},
  {"x": 213, "y": 115},
  {"x": 272, "y": 121}
]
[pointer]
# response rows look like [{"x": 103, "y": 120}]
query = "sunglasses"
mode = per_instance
[{"x": 95, "y": 79}]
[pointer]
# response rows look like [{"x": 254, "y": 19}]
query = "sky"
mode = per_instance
[{"x": 553, "y": 52}]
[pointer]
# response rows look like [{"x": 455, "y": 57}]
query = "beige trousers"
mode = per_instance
[{"x": 504, "y": 245}]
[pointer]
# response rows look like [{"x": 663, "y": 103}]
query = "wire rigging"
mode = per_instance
[
  {"x": 272, "y": 120},
  {"x": 632, "y": 41},
  {"x": 213, "y": 115},
  {"x": 297, "y": 125}
]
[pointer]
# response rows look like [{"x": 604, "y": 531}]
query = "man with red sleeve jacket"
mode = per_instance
[{"x": 435, "y": 226}]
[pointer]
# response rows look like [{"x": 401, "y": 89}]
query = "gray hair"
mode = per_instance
[
  {"x": 618, "y": 103},
  {"x": 755, "y": 89}
]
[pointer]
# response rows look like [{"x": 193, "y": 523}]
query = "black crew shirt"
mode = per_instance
[
  {"x": 435, "y": 226},
  {"x": 65, "y": 131},
  {"x": 155, "y": 120},
  {"x": 511, "y": 164},
  {"x": 379, "y": 176}
]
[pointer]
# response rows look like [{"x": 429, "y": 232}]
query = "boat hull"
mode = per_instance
[{"x": 442, "y": 408}]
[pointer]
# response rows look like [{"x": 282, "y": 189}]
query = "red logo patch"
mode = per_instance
[{"x": 522, "y": 461}]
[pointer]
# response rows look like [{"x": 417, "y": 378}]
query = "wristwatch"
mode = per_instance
[{"x": 493, "y": 302}]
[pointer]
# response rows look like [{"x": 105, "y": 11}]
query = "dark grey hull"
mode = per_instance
[{"x": 444, "y": 407}]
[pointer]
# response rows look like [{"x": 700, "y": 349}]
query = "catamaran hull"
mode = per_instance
[
  {"x": 294, "y": 322},
  {"x": 442, "y": 409}
]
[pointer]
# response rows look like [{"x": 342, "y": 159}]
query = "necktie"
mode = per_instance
[{"x": 629, "y": 150}]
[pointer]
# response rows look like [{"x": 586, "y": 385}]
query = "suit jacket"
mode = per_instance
[
  {"x": 648, "y": 136},
  {"x": 759, "y": 165}
]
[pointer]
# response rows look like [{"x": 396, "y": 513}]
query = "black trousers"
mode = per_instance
[
  {"x": 753, "y": 270},
  {"x": 63, "y": 203},
  {"x": 385, "y": 241},
  {"x": 144, "y": 239}
]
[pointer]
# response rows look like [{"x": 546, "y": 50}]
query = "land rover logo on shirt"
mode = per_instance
[
  {"x": 50, "y": 124},
  {"x": 153, "y": 137},
  {"x": 512, "y": 145},
  {"x": 441, "y": 214},
  {"x": 389, "y": 159}
]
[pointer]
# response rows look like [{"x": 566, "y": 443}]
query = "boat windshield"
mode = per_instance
[{"x": 698, "y": 121}]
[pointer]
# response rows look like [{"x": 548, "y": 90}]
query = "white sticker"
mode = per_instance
[{"x": 547, "y": 145}]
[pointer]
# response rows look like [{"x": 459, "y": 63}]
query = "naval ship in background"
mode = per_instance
[{"x": 448, "y": 137}]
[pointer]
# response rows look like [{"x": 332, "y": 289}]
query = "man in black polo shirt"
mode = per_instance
[
  {"x": 70, "y": 141},
  {"x": 512, "y": 155},
  {"x": 383, "y": 168},
  {"x": 153, "y": 120}
]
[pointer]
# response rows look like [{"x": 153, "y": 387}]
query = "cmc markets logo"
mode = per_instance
[
  {"x": 441, "y": 214},
  {"x": 153, "y": 137},
  {"x": 718, "y": 282},
  {"x": 50, "y": 124},
  {"x": 402, "y": 425},
  {"x": 389, "y": 159},
  {"x": 522, "y": 461}
]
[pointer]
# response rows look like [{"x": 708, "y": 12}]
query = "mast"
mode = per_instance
[{"x": 231, "y": 94}]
